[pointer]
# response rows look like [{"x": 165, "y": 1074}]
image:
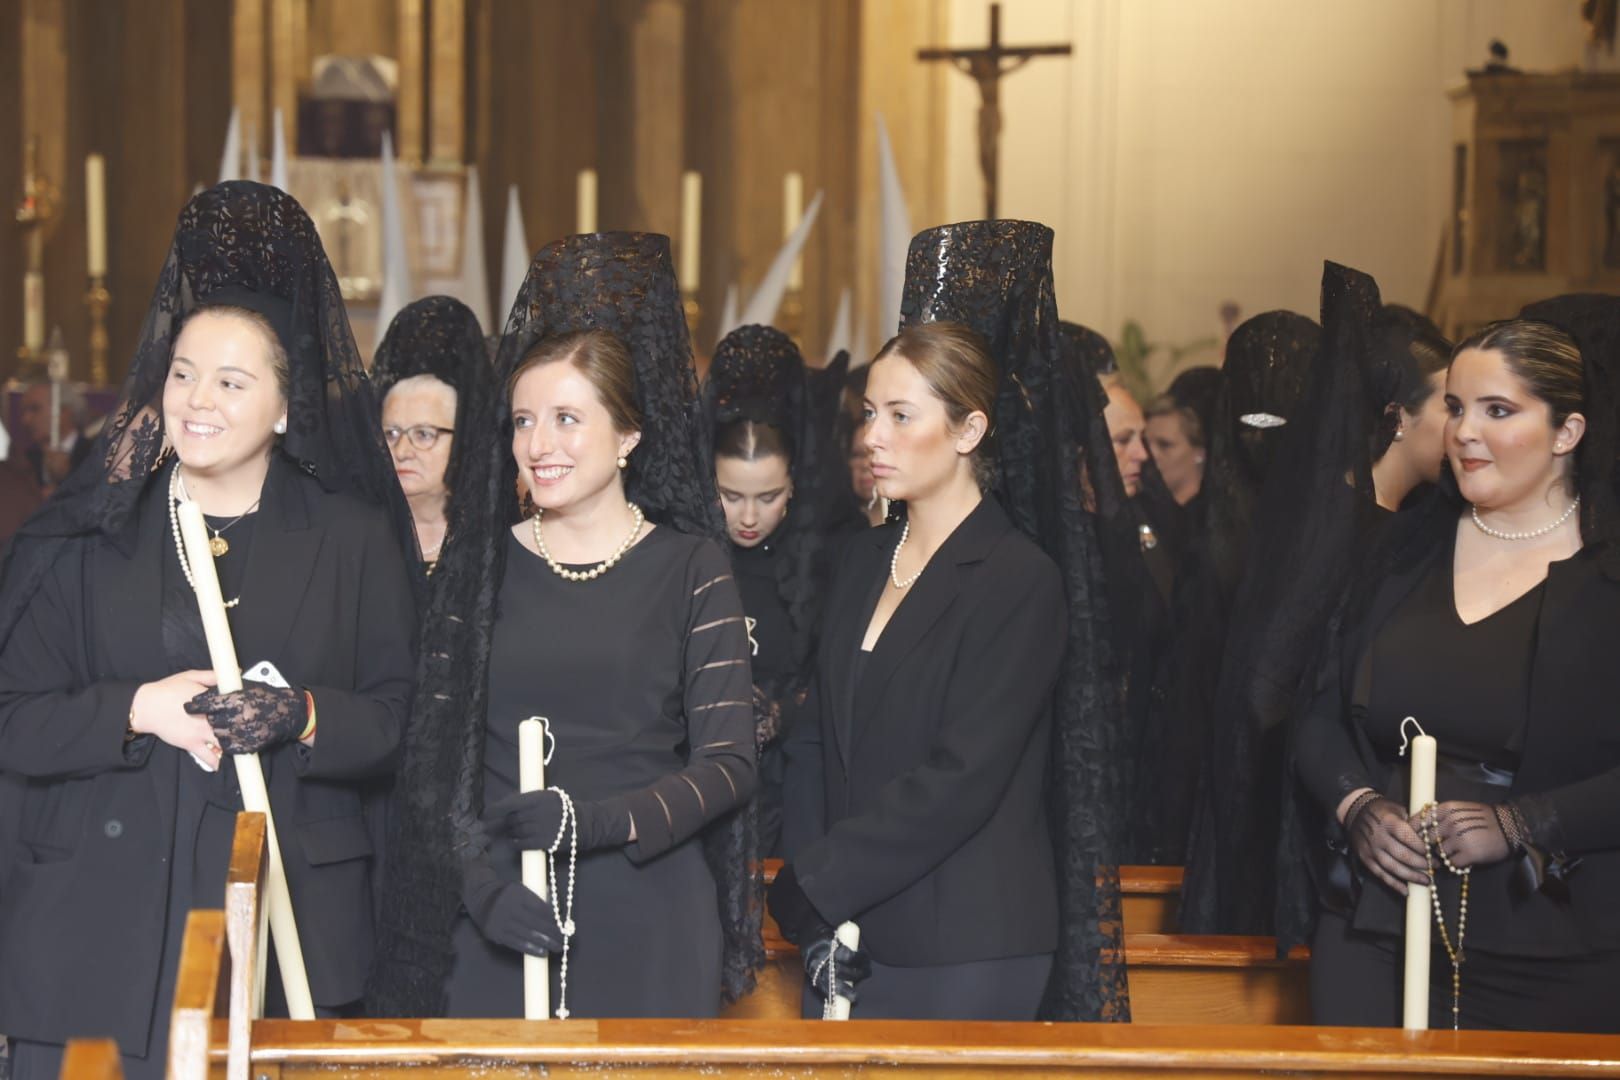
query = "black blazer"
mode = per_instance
[
  {"x": 327, "y": 599},
  {"x": 1571, "y": 755},
  {"x": 915, "y": 801}
]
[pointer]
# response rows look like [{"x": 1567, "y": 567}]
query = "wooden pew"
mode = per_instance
[
  {"x": 91, "y": 1059},
  {"x": 1174, "y": 978}
]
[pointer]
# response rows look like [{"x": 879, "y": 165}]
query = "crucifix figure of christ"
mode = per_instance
[{"x": 986, "y": 67}]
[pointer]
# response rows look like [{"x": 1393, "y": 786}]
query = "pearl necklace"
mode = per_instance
[
  {"x": 894, "y": 562},
  {"x": 177, "y": 495},
  {"x": 1532, "y": 534},
  {"x": 600, "y": 568}
]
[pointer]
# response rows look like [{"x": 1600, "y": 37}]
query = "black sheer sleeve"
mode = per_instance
[
  {"x": 1328, "y": 762},
  {"x": 720, "y": 773}
]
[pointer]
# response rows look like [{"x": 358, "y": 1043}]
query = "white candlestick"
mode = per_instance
[
  {"x": 849, "y": 936},
  {"x": 585, "y": 201},
  {"x": 95, "y": 209},
  {"x": 532, "y": 777},
  {"x": 1419, "y": 906},
  {"x": 34, "y": 311},
  {"x": 792, "y": 214},
  {"x": 691, "y": 229},
  {"x": 249, "y": 774}
]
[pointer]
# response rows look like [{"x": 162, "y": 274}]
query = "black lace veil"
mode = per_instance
[
  {"x": 246, "y": 245},
  {"x": 996, "y": 277},
  {"x": 440, "y": 336},
  {"x": 623, "y": 283}
]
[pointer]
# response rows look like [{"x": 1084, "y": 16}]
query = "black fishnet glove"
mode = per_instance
[
  {"x": 1469, "y": 833},
  {"x": 1387, "y": 843},
  {"x": 531, "y": 820},
  {"x": 839, "y": 974},
  {"x": 254, "y": 717},
  {"x": 508, "y": 912}
]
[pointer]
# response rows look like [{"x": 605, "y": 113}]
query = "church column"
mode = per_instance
[
  {"x": 248, "y": 86},
  {"x": 10, "y": 182},
  {"x": 447, "y": 75},
  {"x": 289, "y": 66},
  {"x": 642, "y": 95},
  {"x": 410, "y": 143}
]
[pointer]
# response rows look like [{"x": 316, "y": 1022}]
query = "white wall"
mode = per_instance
[{"x": 1196, "y": 151}]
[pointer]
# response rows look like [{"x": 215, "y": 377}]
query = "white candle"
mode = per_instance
[
  {"x": 95, "y": 209},
  {"x": 249, "y": 774},
  {"x": 34, "y": 311},
  {"x": 532, "y": 777},
  {"x": 849, "y": 936},
  {"x": 585, "y": 201},
  {"x": 691, "y": 229},
  {"x": 792, "y": 214},
  {"x": 1419, "y": 907}
]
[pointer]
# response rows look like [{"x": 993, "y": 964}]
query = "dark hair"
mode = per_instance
[
  {"x": 260, "y": 322},
  {"x": 751, "y": 440},
  {"x": 602, "y": 358},
  {"x": 1543, "y": 356},
  {"x": 955, "y": 363}
]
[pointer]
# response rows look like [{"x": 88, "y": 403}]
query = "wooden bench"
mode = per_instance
[
  {"x": 91, "y": 1059},
  {"x": 435, "y": 1049}
]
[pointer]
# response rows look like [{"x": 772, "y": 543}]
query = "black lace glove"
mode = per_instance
[
  {"x": 508, "y": 912},
  {"x": 1385, "y": 842},
  {"x": 254, "y": 717},
  {"x": 531, "y": 820},
  {"x": 1470, "y": 834}
]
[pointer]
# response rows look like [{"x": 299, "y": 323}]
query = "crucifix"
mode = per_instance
[{"x": 986, "y": 66}]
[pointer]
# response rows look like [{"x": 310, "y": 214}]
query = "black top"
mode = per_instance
[{"x": 769, "y": 628}]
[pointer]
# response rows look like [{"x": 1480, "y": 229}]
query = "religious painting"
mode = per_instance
[
  {"x": 1459, "y": 206},
  {"x": 1520, "y": 214}
]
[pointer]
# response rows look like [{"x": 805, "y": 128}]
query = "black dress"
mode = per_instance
[
  {"x": 1468, "y": 685},
  {"x": 777, "y": 679},
  {"x": 643, "y": 674}
]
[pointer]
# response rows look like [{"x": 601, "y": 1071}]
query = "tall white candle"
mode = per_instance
[
  {"x": 849, "y": 936},
  {"x": 95, "y": 210},
  {"x": 691, "y": 229},
  {"x": 249, "y": 774},
  {"x": 792, "y": 214},
  {"x": 1419, "y": 906},
  {"x": 34, "y": 311},
  {"x": 585, "y": 201},
  {"x": 532, "y": 777}
]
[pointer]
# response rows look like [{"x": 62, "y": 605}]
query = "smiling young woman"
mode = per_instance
[{"x": 1489, "y": 615}]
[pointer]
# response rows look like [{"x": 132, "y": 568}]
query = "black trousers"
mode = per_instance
[{"x": 1356, "y": 981}]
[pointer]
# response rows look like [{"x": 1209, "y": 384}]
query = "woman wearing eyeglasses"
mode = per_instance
[{"x": 433, "y": 369}]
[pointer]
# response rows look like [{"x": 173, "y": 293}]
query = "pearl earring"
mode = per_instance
[
  {"x": 623, "y": 463},
  {"x": 1399, "y": 435},
  {"x": 279, "y": 427}
]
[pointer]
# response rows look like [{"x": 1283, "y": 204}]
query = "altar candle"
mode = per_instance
[
  {"x": 691, "y": 229},
  {"x": 585, "y": 201},
  {"x": 532, "y": 777},
  {"x": 95, "y": 209},
  {"x": 249, "y": 774},
  {"x": 849, "y": 936},
  {"x": 792, "y": 214},
  {"x": 1419, "y": 906},
  {"x": 34, "y": 311}
]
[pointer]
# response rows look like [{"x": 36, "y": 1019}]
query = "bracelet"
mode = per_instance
[
  {"x": 1362, "y": 802},
  {"x": 309, "y": 729}
]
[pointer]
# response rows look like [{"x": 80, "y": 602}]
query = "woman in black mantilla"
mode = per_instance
[
  {"x": 768, "y": 461},
  {"x": 1262, "y": 381},
  {"x": 1488, "y": 614},
  {"x": 1368, "y": 432},
  {"x": 627, "y": 635},
  {"x": 975, "y": 857},
  {"x": 435, "y": 378},
  {"x": 246, "y": 396}
]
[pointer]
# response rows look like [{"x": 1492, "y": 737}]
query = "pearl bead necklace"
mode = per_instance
[
  {"x": 600, "y": 568},
  {"x": 1533, "y": 533},
  {"x": 894, "y": 562},
  {"x": 177, "y": 495}
]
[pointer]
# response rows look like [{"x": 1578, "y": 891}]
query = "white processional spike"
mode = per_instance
[
  {"x": 230, "y": 159},
  {"x": 396, "y": 283},
  {"x": 278, "y": 154},
  {"x": 250, "y": 148},
  {"x": 839, "y": 340},
  {"x": 894, "y": 235},
  {"x": 474, "y": 276},
  {"x": 729, "y": 319},
  {"x": 860, "y": 351},
  {"x": 767, "y": 298},
  {"x": 514, "y": 256}
]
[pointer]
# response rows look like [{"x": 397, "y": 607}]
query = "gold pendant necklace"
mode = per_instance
[{"x": 218, "y": 544}]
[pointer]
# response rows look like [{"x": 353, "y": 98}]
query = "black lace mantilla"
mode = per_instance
[
  {"x": 996, "y": 277},
  {"x": 623, "y": 283}
]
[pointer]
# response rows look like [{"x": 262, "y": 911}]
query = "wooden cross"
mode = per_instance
[{"x": 986, "y": 66}]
